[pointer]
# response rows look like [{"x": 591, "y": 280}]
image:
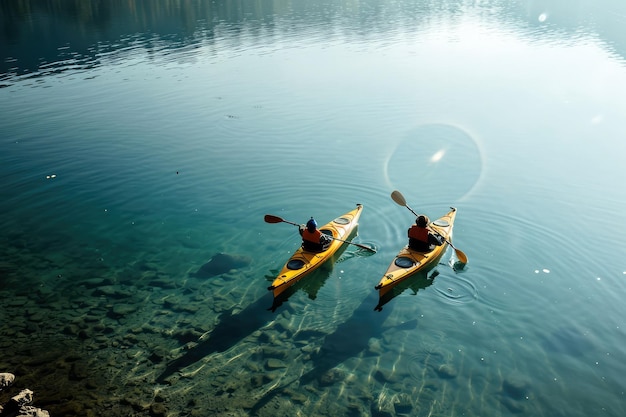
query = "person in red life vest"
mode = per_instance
[
  {"x": 420, "y": 237},
  {"x": 312, "y": 239}
]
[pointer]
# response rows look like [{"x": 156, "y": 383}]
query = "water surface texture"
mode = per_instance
[{"x": 142, "y": 143}]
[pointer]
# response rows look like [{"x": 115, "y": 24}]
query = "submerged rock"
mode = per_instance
[
  {"x": 273, "y": 363},
  {"x": 384, "y": 375},
  {"x": 330, "y": 377},
  {"x": 221, "y": 263},
  {"x": 122, "y": 310},
  {"x": 296, "y": 397},
  {"x": 403, "y": 404},
  {"x": 111, "y": 291},
  {"x": 158, "y": 409},
  {"x": 446, "y": 371},
  {"x": 516, "y": 388}
]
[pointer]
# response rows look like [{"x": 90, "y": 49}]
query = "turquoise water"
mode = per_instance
[{"x": 139, "y": 140}]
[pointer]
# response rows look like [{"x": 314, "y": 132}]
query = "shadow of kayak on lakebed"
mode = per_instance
[
  {"x": 347, "y": 341},
  {"x": 233, "y": 328},
  {"x": 230, "y": 330}
]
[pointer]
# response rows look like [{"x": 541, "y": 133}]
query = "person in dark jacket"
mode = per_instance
[
  {"x": 420, "y": 236},
  {"x": 312, "y": 239}
]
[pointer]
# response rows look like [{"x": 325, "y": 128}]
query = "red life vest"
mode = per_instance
[
  {"x": 418, "y": 233},
  {"x": 313, "y": 237}
]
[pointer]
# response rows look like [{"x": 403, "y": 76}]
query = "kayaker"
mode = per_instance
[
  {"x": 420, "y": 237},
  {"x": 312, "y": 239}
]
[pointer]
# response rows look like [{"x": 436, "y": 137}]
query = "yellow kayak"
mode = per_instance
[
  {"x": 303, "y": 262},
  {"x": 408, "y": 261}
]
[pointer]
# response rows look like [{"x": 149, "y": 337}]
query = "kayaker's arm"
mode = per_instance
[{"x": 435, "y": 239}]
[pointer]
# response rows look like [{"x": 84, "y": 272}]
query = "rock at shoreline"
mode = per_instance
[
  {"x": 6, "y": 380},
  {"x": 30, "y": 411},
  {"x": 19, "y": 405},
  {"x": 25, "y": 397}
]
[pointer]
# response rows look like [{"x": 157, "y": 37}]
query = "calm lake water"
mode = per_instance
[{"x": 141, "y": 141}]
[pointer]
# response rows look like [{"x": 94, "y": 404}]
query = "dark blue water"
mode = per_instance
[{"x": 141, "y": 145}]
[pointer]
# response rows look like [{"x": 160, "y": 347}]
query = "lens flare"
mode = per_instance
[{"x": 437, "y": 156}]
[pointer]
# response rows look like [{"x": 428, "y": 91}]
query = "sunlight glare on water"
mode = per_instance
[{"x": 437, "y": 156}]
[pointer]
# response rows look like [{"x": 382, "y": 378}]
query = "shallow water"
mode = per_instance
[{"x": 138, "y": 140}]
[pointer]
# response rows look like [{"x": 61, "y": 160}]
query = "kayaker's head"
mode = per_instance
[
  {"x": 422, "y": 220},
  {"x": 311, "y": 225}
]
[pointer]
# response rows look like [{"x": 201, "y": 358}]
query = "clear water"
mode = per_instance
[{"x": 140, "y": 139}]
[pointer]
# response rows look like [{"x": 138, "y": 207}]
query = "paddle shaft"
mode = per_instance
[{"x": 275, "y": 219}]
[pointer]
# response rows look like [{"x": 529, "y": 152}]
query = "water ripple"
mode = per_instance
[
  {"x": 516, "y": 241},
  {"x": 458, "y": 291}
]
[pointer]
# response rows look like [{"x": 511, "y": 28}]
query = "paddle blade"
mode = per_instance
[
  {"x": 398, "y": 198},
  {"x": 461, "y": 255},
  {"x": 272, "y": 219},
  {"x": 365, "y": 247}
]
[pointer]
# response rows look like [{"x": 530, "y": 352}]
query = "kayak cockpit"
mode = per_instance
[{"x": 405, "y": 262}]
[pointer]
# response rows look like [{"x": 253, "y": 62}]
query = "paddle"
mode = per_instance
[
  {"x": 275, "y": 219},
  {"x": 400, "y": 200}
]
